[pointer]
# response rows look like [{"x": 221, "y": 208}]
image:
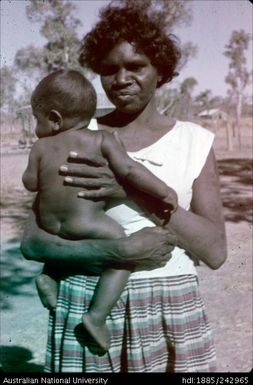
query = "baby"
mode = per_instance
[{"x": 63, "y": 104}]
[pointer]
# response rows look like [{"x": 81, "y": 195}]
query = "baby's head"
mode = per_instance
[{"x": 63, "y": 100}]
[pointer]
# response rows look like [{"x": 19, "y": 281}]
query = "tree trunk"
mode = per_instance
[
  {"x": 238, "y": 118},
  {"x": 229, "y": 136}
]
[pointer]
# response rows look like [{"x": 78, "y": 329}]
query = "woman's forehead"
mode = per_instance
[{"x": 125, "y": 51}]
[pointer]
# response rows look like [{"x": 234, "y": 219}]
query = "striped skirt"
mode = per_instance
[{"x": 157, "y": 325}]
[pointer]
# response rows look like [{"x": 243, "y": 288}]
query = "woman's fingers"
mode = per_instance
[
  {"x": 86, "y": 171},
  {"x": 95, "y": 188},
  {"x": 150, "y": 247},
  {"x": 89, "y": 183},
  {"x": 102, "y": 192},
  {"x": 97, "y": 180},
  {"x": 80, "y": 170},
  {"x": 89, "y": 159}
]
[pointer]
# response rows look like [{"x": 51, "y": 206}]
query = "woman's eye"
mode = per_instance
[
  {"x": 108, "y": 70},
  {"x": 135, "y": 67}
]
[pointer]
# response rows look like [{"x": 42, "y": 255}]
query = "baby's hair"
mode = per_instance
[
  {"x": 66, "y": 91},
  {"x": 135, "y": 26}
]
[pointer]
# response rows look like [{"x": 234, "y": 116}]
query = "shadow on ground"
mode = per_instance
[
  {"x": 17, "y": 274},
  {"x": 236, "y": 188},
  {"x": 16, "y": 359},
  {"x": 15, "y": 205}
]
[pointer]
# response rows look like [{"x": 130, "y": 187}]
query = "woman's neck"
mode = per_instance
[
  {"x": 137, "y": 130},
  {"x": 120, "y": 119}
]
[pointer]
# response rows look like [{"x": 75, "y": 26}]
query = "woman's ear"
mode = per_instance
[{"x": 56, "y": 120}]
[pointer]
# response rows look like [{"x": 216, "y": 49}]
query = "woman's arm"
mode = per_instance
[
  {"x": 135, "y": 174},
  {"x": 146, "y": 249},
  {"x": 201, "y": 231}
]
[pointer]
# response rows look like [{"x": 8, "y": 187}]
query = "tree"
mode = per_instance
[
  {"x": 168, "y": 13},
  {"x": 167, "y": 99},
  {"x": 8, "y": 87},
  {"x": 185, "y": 104},
  {"x": 59, "y": 28},
  {"x": 177, "y": 101},
  {"x": 204, "y": 100},
  {"x": 238, "y": 76}
]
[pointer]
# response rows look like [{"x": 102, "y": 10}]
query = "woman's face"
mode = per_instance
[{"x": 128, "y": 78}]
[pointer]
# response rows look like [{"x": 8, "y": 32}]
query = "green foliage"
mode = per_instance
[
  {"x": 30, "y": 58},
  {"x": 8, "y": 82},
  {"x": 189, "y": 51},
  {"x": 167, "y": 99},
  {"x": 238, "y": 76},
  {"x": 187, "y": 86},
  {"x": 177, "y": 102},
  {"x": 169, "y": 13},
  {"x": 185, "y": 103},
  {"x": 204, "y": 100},
  {"x": 59, "y": 28}
]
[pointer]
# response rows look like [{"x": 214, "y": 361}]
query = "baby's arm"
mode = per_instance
[
  {"x": 137, "y": 175},
  {"x": 30, "y": 176}
]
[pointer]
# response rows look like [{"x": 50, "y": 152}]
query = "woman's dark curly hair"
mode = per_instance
[{"x": 135, "y": 26}]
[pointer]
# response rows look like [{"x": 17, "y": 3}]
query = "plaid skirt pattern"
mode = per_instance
[{"x": 157, "y": 325}]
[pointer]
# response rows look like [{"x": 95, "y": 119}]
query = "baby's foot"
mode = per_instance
[
  {"x": 98, "y": 331},
  {"x": 47, "y": 289}
]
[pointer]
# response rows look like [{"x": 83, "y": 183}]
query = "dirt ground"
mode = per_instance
[{"x": 227, "y": 291}]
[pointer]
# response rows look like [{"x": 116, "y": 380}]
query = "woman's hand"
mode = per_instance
[
  {"x": 93, "y": 175},
  {"x": 149, "y": 248}
]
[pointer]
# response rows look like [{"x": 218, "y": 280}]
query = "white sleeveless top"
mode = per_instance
[{"x": 177, "y": 158}]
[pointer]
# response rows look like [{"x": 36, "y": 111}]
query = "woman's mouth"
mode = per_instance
[{"x": 124, "y": 95}]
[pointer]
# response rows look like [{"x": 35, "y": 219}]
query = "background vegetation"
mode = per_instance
[{"x": 59, "y": 26}]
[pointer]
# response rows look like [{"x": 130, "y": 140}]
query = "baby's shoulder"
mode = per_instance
[
  {"x": 86, "y": 140},
  {"x": 38, "y": 145}
]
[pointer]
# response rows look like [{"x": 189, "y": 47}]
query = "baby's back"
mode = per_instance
[{"x": 61, "y": 212}]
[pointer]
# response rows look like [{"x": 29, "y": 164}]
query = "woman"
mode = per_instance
[{"x": 159, "y": 324}]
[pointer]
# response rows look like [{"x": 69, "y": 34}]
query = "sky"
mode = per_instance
[{"x": 211, "y": 28}]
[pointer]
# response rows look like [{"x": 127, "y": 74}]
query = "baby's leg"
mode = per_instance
[
  {"x": 112, "y": 282},
  {"x": 47, "y": 288},
  {"x": 108, "y": 290}
]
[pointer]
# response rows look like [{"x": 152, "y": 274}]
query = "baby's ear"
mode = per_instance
[{"x": 56, "y": 120}]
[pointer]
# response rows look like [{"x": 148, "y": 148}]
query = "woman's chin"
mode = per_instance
[{"x": 128, "y": 107}]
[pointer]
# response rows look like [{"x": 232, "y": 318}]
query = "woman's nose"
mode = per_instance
[{"x": 123, "y": 77}]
